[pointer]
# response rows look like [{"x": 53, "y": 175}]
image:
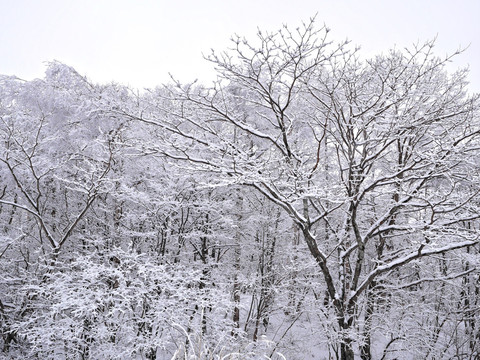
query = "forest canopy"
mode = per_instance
[{"x": 309, "y": 203}]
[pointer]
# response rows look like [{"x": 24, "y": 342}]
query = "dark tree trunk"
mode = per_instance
[
  {"x": 365, "y": 348},
  {"x": 346, "y": 351}
]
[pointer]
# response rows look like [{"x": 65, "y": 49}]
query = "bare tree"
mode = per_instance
[{"x": 373, "y": 160}]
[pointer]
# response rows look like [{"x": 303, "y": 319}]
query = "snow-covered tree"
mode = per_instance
[
  {"x": 373, "y": 160},
  {"x": 309, "y": 203}
]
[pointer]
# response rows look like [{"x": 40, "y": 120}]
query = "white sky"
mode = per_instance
[{"x": 138, "y": 42}]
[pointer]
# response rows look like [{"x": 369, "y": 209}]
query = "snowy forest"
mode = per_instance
[{"x": 308, "y": 204}]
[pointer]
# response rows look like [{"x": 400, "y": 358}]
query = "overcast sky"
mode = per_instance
[{"x": 138, "y": 42}]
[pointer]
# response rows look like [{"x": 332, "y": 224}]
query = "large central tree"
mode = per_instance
[{"x": 374, "y": 160}]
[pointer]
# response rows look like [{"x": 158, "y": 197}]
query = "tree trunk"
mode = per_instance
[
  {"x": 236, "y": 265},
  {"x": 365, "y": 348},
  {"x": 346, "y": 350}
]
